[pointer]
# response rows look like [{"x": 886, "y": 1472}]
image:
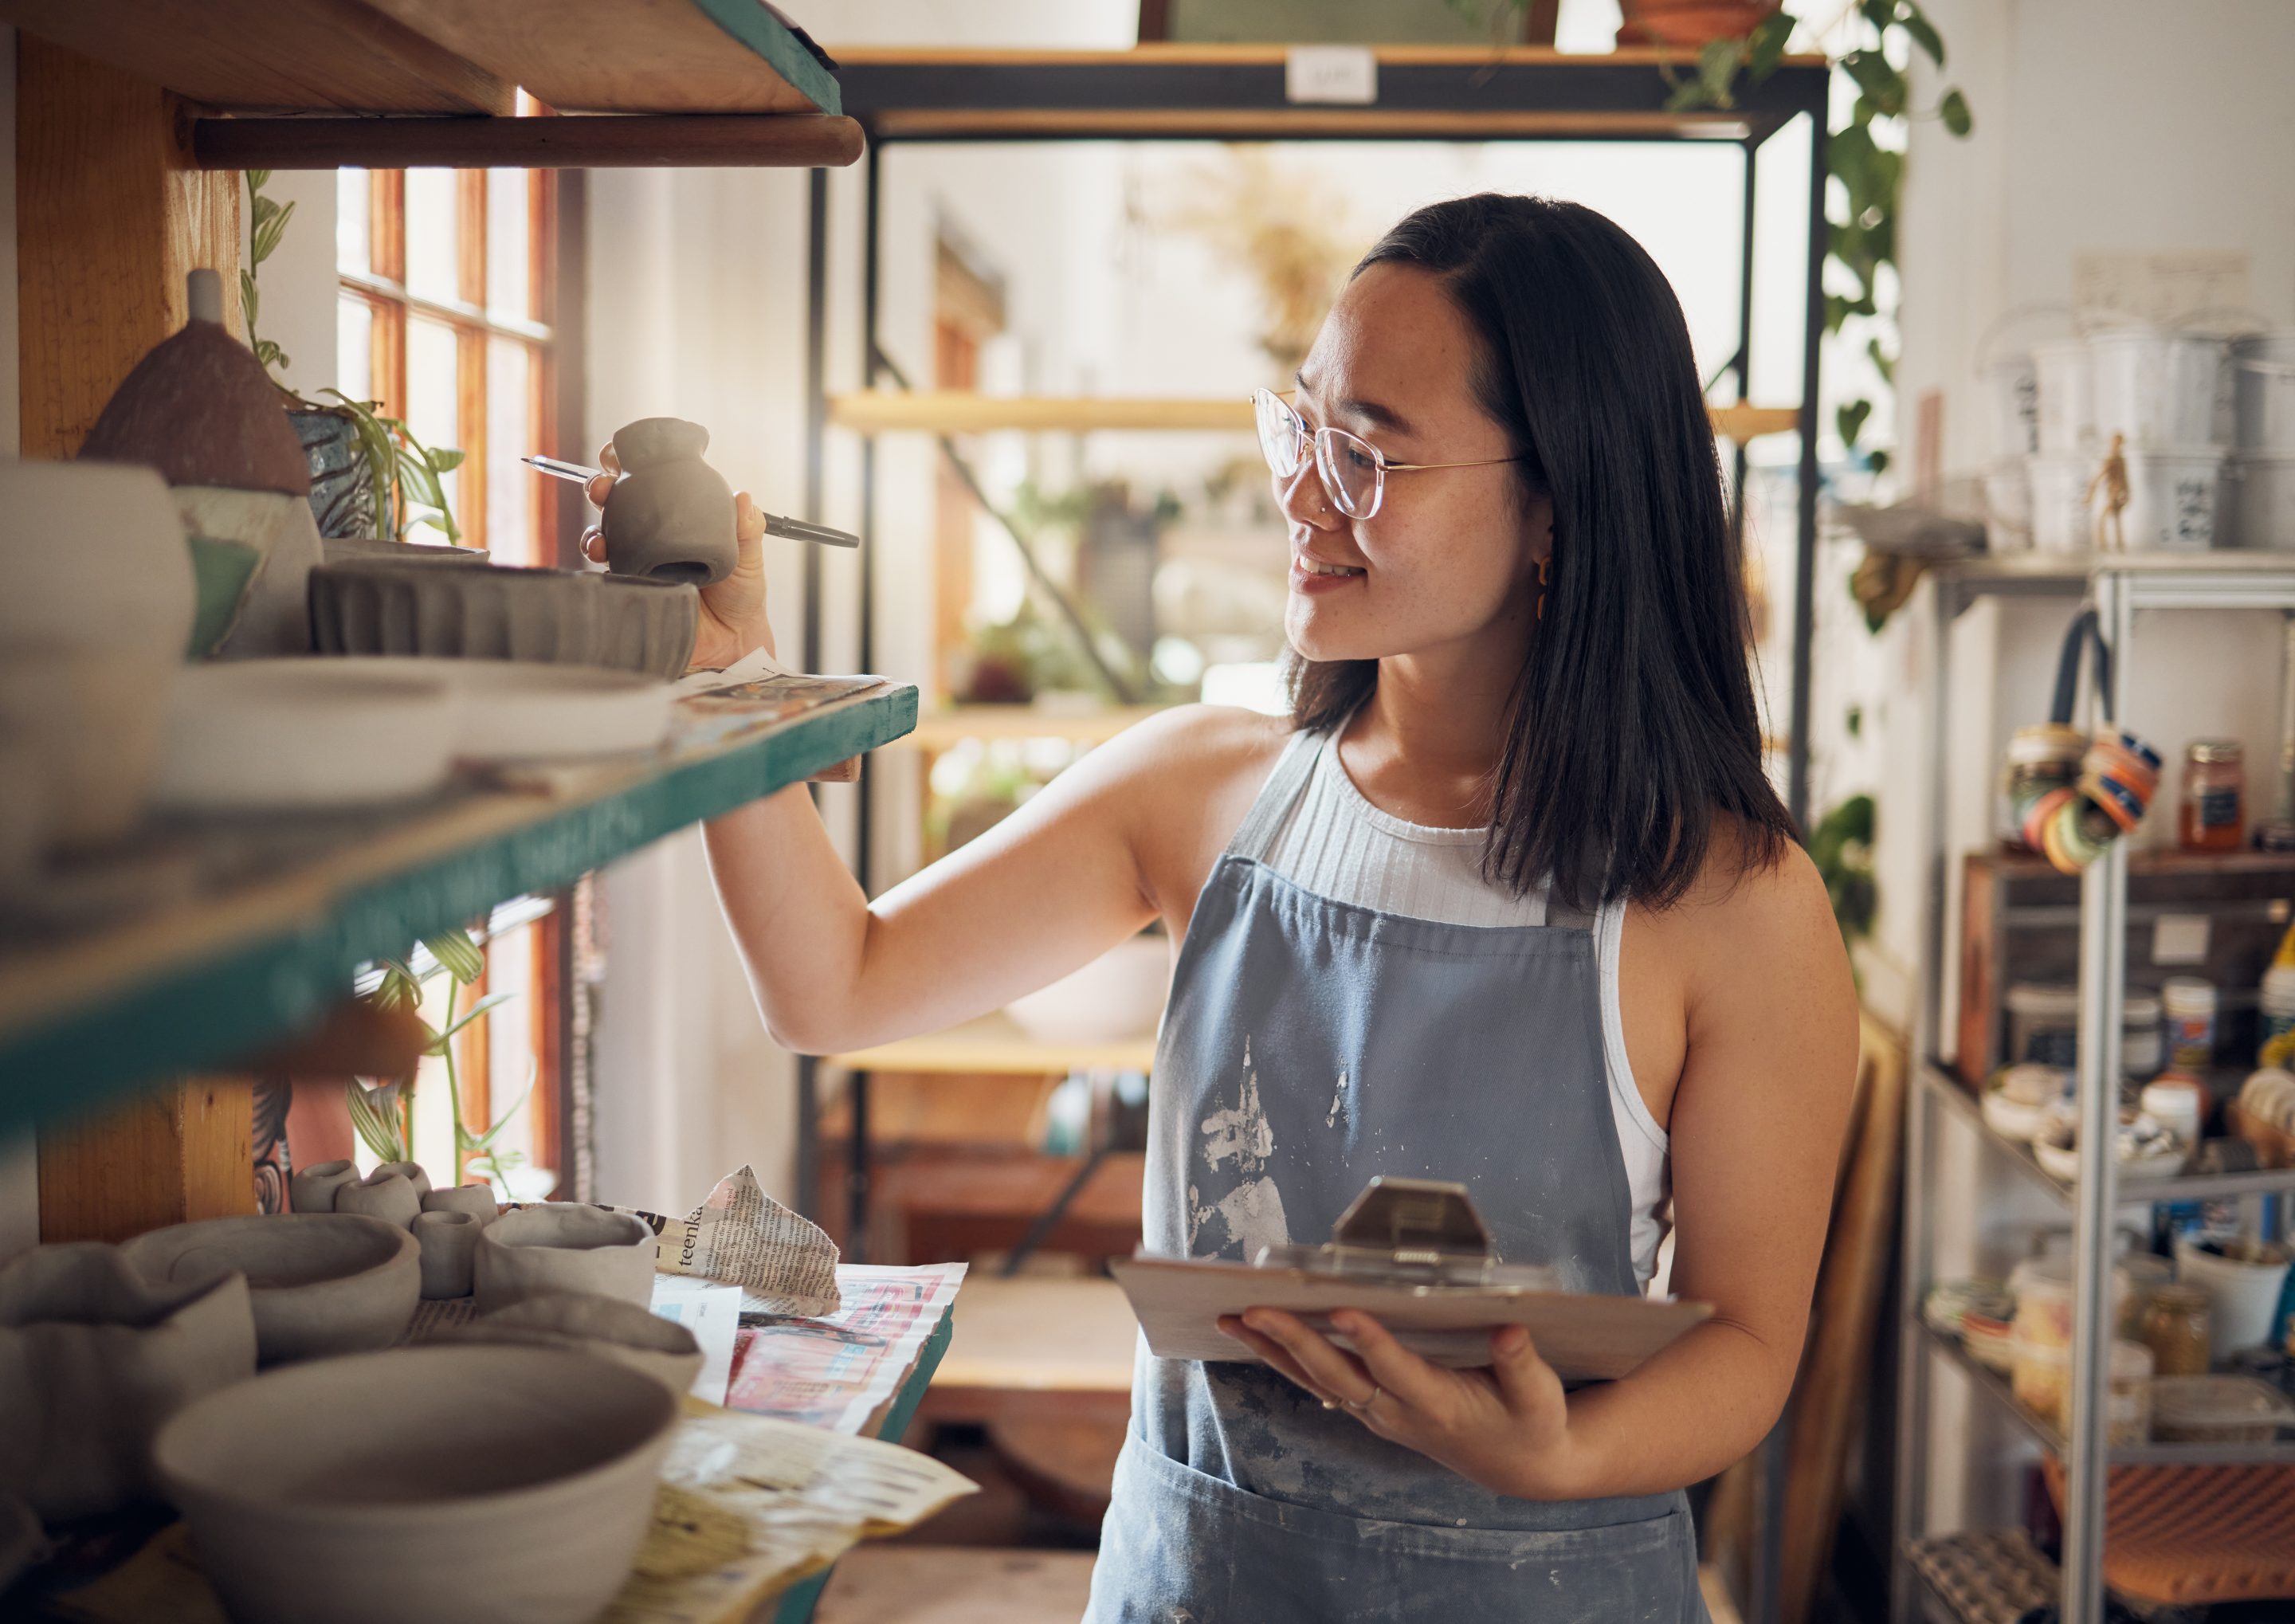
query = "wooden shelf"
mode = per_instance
[
  {"x": 1038, "y": 1348},
  {"x": 444, "y": 56},
  {"x": 665, "y": 141},
  {"x": 287, "y": 908},
  {"x": 995, "y": 1043},
  {"x": 962, "y": 412},
  {"x": 941, "y": 729}
]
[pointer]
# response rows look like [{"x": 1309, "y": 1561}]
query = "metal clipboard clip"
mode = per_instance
[{"x": 1411, "y": 1232}]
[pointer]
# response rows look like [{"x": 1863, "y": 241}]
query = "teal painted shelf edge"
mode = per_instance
[
  {"x": 798, "y": 1602},
  {"x": 759, "y": 29},
  {"x": 216, "y": 1010}
]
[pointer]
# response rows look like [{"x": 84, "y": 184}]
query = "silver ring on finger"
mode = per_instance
[{"x": 1359, "y": 1406}]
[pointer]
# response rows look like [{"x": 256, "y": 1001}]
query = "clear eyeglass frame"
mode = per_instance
[{"x": 1353, "y": 470}]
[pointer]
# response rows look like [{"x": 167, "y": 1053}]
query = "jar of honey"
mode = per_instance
[
  {"x": 2213, "y": 816},
  {"x": 2178, "y": 1327}
]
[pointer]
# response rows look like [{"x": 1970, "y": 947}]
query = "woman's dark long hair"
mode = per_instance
[{"x": 1633, "y": 728}]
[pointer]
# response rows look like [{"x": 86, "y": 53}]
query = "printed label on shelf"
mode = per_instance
[{"x": 1331, "y": 73}]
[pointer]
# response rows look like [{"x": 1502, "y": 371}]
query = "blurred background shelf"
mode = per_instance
[
  {"x": 942, "y": 729},
  {"x": 286, "y": 910},
  {"x": 1036, "y": 1348},
  {"x": 995, "y": 1043}
]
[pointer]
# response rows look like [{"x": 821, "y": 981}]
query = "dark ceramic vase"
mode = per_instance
[
  {"x": 342, "y": 480},
  {"x": 671, "y": 516}
]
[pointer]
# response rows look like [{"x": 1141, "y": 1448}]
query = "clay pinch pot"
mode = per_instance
[
  {"x": 93, "y": 1358},
  {"x": 449, "y": 1244},
  {"x": 476, "y": 1199},
  {"x": 670, "y": 515},
  {"x": 320, "y": 1282},
  {"x": 581, "y": 1322},
  {"x": 313, "y": 1188},
  {"x": 564, "y": 1246},
  {"x": 389, "y": 1197},
  {"x": 411, "y": 1172},
  {"x": 443, "y": 1481}
]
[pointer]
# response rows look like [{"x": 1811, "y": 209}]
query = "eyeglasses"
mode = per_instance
[{"x": 1353, "y": 470}]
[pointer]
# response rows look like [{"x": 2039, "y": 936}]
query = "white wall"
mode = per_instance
[{"x": 2101, "y": 125}]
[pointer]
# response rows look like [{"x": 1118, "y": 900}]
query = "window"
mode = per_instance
[{"x": 446, "y": 313}]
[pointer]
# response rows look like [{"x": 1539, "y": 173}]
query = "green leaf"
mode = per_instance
[
  {"x": 1880, "y": 13},
  {"x": 1882, "y": 363},
  {"x": 1924, "y": 33},
  {"x": 1877, "y": 460},
  {"x": 264, "y": 241},
  {"x": 445, "y": 459},
  {"x": 380, "y": 1119},
  {"x": 1765, "y": 47},
  {"x": 1880, "y": 81},
  {"x": 1687, "y": 97},
  {"x": 1954, "y": 111},
  {"x": 457, "y": 955},
  {"x": 1850, "y": 418},
  {"x": 492, "y": 1000},
  {"x": 1717, "y": 68},
  {"x": 480, "y": 1142}
]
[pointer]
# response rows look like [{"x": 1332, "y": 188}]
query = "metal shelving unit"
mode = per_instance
[{"x": 2120, "y": 586}]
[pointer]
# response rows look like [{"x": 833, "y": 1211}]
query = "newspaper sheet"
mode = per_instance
[
  {"x": 841, "y": 1370},
  {"x": 751, "y": 1504},
  {"x": 742, "y": 1237},
  {"x": 712, "y": 1313}
]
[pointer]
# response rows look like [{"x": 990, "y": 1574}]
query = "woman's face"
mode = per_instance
[{"x": 1451, "y": 554}]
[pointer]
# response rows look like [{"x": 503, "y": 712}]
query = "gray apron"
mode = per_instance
[{"x": 1308, "y": 1045}]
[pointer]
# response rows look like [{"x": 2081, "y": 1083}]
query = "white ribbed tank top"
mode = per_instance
[{"x": 1335, "y": 843}]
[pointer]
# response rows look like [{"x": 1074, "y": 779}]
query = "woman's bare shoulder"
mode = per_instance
[{"x": 1186, "y": 777}]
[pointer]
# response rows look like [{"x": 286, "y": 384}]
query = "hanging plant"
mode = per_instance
[
  {"x": 402, "y": 487},
  {"x": 379, "y": 1114}
]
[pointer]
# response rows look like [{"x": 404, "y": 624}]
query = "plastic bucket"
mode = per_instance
[
  {"x": 2162, "y": 390},
  {"x": 2245, "y": 1296},
  {"x": 2263, "y": 389},
  {"x": 2064, "y": 420},
  {"x": 2262, "y": 500},
  {"x": 2008, "y": 505},
  {"x": 2173, "y": 500},
  {"x": 2060, "y": 507},
  {"x": 2011, "y": 386}
]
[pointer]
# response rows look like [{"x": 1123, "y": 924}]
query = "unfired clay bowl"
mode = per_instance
[
  {"x": 647, "y": 625},
  {"x": 93, "y": 1360},
  {"x": 508, "y": 1484},
  {"x": 521, "y": 710},
  {"x": 382, "y": 1193},
  {"x": 603, "y": 1326},
  {"x": 320, "y": 1282},
  {"x": 312, "y": 1190},
  {"x": 276, "y": 735},
  {"x": 564, "y": 1246},
  {"x": 476, "y": 1199},
  {"x": 411, "y": 1172},
  {"x": 449, "y": 1243}
]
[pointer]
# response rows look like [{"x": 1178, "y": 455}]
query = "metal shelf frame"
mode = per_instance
[{"x": 2119, "y": 587}]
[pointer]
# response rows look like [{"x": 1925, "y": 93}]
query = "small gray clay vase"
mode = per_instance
[
  {"x": 92, "y": 1359},
  {"x": 411, "y": 1172},
  {"x": 564, "y": 1246},
  {"x": 319, "y": 1283},
  {"x": 476, "y": 1199},
  {"x": 670, "y": 515},
  {"x": 603, "y": 1326},
  {"x": 381, "y": 1194},
  {"x": 312, "y": 1189},
  {"x": 449, "y": 1242}
]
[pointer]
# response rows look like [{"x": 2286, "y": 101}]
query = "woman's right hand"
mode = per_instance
[{"x": 733, "y": 621}]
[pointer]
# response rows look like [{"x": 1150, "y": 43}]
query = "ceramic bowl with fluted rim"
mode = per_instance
[
  {"x": 585, "y": 1323},
  {"x": 564, "y": 1246},
  {"x": 511, "y": 1484},
  {"x": 320, "y": 1282}
]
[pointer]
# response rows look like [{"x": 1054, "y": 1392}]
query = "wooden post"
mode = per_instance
[{"x": 110, "y": 217}]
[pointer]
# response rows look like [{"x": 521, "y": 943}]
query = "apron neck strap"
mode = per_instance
[
  {"x": 1559, "y": 917},
  {"x": 1283, "y": 786}
]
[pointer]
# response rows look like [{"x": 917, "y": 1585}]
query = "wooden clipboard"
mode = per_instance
[{"x": 1415, "y": 1255}]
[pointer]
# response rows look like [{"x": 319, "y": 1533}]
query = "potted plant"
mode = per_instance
[
  {"x": 1690, "y": 23},
  {"x": 370, "y": 475}
]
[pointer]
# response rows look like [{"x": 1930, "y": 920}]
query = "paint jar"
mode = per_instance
[
  {"x": 2189, "y": 1006},
  {"x": 2065, "y": 410},
  {"x": 2276, "y": 1003},
  {"x": 2263, "y": 391},
  {"x": 2174, "y": 500},
  {"x": 2060, "y": 504},
  {"x": 2041, "y": 1380},
  {"x": 2177, "y": 1326},
  {"x": 2012, "y": 387},
  {"x": 2157, "y": 389},
  {"x": 2176, "y": 1102},
  {"x": 2213, "y": 813},
  {"x": 2140, "y": 1052},
  {"x": 2260, "y": 503},
  {"x": 2043, "y": 1028}
]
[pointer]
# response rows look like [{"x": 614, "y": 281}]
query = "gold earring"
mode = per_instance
[{"x": 1542, "y": 564}]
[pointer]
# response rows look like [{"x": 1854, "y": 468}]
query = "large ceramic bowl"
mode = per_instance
[
  {"x": 1118, "y": 995},
  {"x": 322, "y": 1282},
  {"x": 293, "y": 734},
  {"x": 505, "y": 1485}
]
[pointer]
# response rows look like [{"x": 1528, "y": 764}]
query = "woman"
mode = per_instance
[{"x": 1507, "y": 899}]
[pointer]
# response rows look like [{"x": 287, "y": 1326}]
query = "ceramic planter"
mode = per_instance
[
  {"x": 602, "y": 1326},
  {"x": 419, "y": 1481},
  {"x": 342, "y": 480},
  {"x": 390, "y": 1196},
  {"x": 92, "y": 1359},
  {"x": 1689, "y": 24},
  {"x": 563, "y": 1246},
  {"x": 312, "y": 1189},
  {"x": 670, "y": 515},
  {"x": 476, "y": 1199},
  {"x": 276, "y": 617},
  {"x": 448, "y": 1242},
  {"x": 320, "y": 1282},
  {"x": 97, "y": 601}
]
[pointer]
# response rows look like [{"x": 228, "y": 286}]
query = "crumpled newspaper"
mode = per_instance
[{"x": 783, "y": 1263}]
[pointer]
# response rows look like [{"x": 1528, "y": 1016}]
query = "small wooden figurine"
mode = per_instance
[{"x": 2112, "y": 479}]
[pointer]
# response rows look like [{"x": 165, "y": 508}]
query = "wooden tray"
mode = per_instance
[{"x": 1584, "y": 1337}]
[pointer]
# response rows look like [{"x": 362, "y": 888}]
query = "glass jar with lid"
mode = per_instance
[
  {"x": 2213, "y": 816},
  {"x": 2178, "y": 1327}
]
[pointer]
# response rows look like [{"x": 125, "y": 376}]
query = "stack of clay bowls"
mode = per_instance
[
  {"x": 447, "y": 1481},
  {"x": 445, "y": 1224}
]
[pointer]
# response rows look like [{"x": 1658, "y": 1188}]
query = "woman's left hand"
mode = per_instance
[{"x": 1505, "y": 1425}]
